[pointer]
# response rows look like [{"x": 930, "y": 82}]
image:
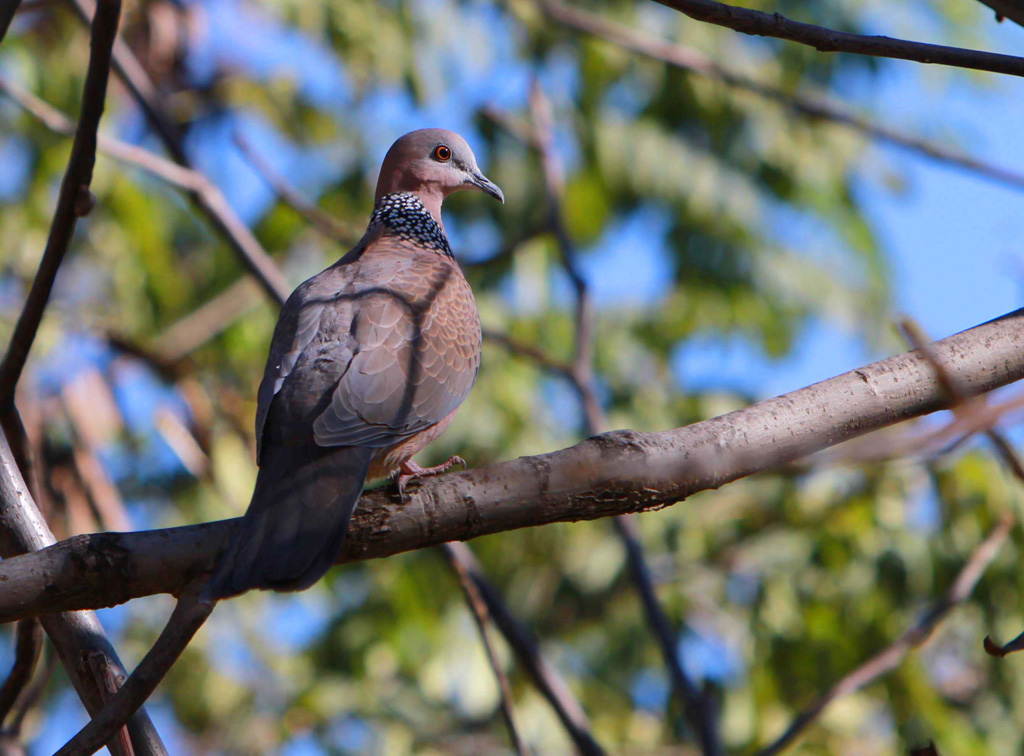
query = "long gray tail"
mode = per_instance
[{"x": 297, "y": 521}]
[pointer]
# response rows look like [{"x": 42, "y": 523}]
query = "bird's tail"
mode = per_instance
[{"x": 297, "y": 521}]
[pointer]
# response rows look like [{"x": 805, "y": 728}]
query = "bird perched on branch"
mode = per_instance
[{"x": 369, "y": 362}]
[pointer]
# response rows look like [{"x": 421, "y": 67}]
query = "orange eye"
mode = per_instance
[{"x": 443, "y": 153}]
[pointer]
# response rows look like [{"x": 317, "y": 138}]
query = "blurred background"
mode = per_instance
[{"x": 734, "y": 248}]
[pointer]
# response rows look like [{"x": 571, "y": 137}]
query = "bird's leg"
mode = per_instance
[{"x": 409, "y": 471}]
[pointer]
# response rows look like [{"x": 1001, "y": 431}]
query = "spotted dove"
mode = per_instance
[{"x": 369, "y": 362}]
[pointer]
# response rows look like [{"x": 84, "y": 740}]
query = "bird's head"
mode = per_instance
[{"x": 432, "y": 163}]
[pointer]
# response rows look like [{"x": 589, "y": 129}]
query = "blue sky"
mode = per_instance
[{"x": 955, "y": 241}]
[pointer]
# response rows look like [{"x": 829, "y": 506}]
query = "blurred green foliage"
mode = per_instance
[{"x": 791, "y": 580}]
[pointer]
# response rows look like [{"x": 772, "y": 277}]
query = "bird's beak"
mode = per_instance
[{"x": 484, "y": 184}]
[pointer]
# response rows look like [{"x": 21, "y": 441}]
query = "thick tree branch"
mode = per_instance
[
  {"x": 762, "y": 24},
  {"x": 611, "y": 474},
  {"x": 890, "y": 658},
  {"x": 814, "y": 107}
]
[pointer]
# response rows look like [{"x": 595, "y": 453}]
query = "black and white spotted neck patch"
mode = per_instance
[{"x": 403, "y": 215}]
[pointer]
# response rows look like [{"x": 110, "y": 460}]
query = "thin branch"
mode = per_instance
[
  {"x": 527, "y": 650},
  {"x": 73, "y": 201},
  {"x": 758, "y": 23},
  {"x": 7, "y": 10},
  {"x": 530, "y": 352},
  {"x": 32, "y": 695},
  {"x": 994, "y": 649},
  {"x": 174, "y": 174},
  {"x": 614, "y": 473},
  {"x": 24, "y": 529},
  {"x": 478, "y": 608},
  {"x": 697, "y": 707},
  {"x": 959, "y": 394},
  {"x": 1011, "y": 9},
  {"x": 206, "y": 322},
  {"x": 321, "y": 220},
  {"x": 814, "y": 107},
  {"x": 186, "y": 619},
  {"x": 890, "y": 658},
  {"x": 108, "y": 688},
  {"x": 210, "y": 203},
  {"x": 27, "y": 648},
  {"x": 951, "y": 386}
]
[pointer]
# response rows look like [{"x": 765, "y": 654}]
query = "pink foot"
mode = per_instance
[{"x": 410, "y": 471}]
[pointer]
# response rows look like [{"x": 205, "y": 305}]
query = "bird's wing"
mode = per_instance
[
  {"x": 298, "y": 325},
  {"x": 371, "y": 352},
  {"x": 418, "y": 354}
]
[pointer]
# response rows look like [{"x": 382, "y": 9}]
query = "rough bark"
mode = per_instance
[{"x": 610, "y": 474}]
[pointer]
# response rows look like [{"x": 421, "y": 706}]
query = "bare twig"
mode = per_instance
[
  {"x": 58, "y": 122},
  {"x": 762, "y": 24},
  {"x": 1011, "y": 9},
  {"x": 102, "y": 493},
  {"x": 28, "y": 646},
  {"x": 32, "y": 695},
  {"x": 697, "y": 707},
  {"x": 7, "y": 10},
  {"x": 71, "y": 201},
  {"x": 321, "y": 220},
  {"x": 819, "y": 108},
  {"x": 209, "y": 201},
  {"x": 478, "y": 608},
  {"x": 916, "y": 336},
  {"x": 963, "y": 402},
  {"x": 207, "y": 321},
  {"x": 994, "y": 649},
  {"x": 531, "y": 352},
  {"x": 188, "y": 616},
  {"x": 524, "y": 644},
  {"x": 108, "y": 687},
  {"x": 891, "y": 657}
]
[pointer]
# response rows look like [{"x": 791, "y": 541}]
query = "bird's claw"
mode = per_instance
[{"x": 411, "y": 472}]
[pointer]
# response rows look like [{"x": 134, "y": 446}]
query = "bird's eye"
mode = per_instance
[{"x": 443, "y": 153}]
